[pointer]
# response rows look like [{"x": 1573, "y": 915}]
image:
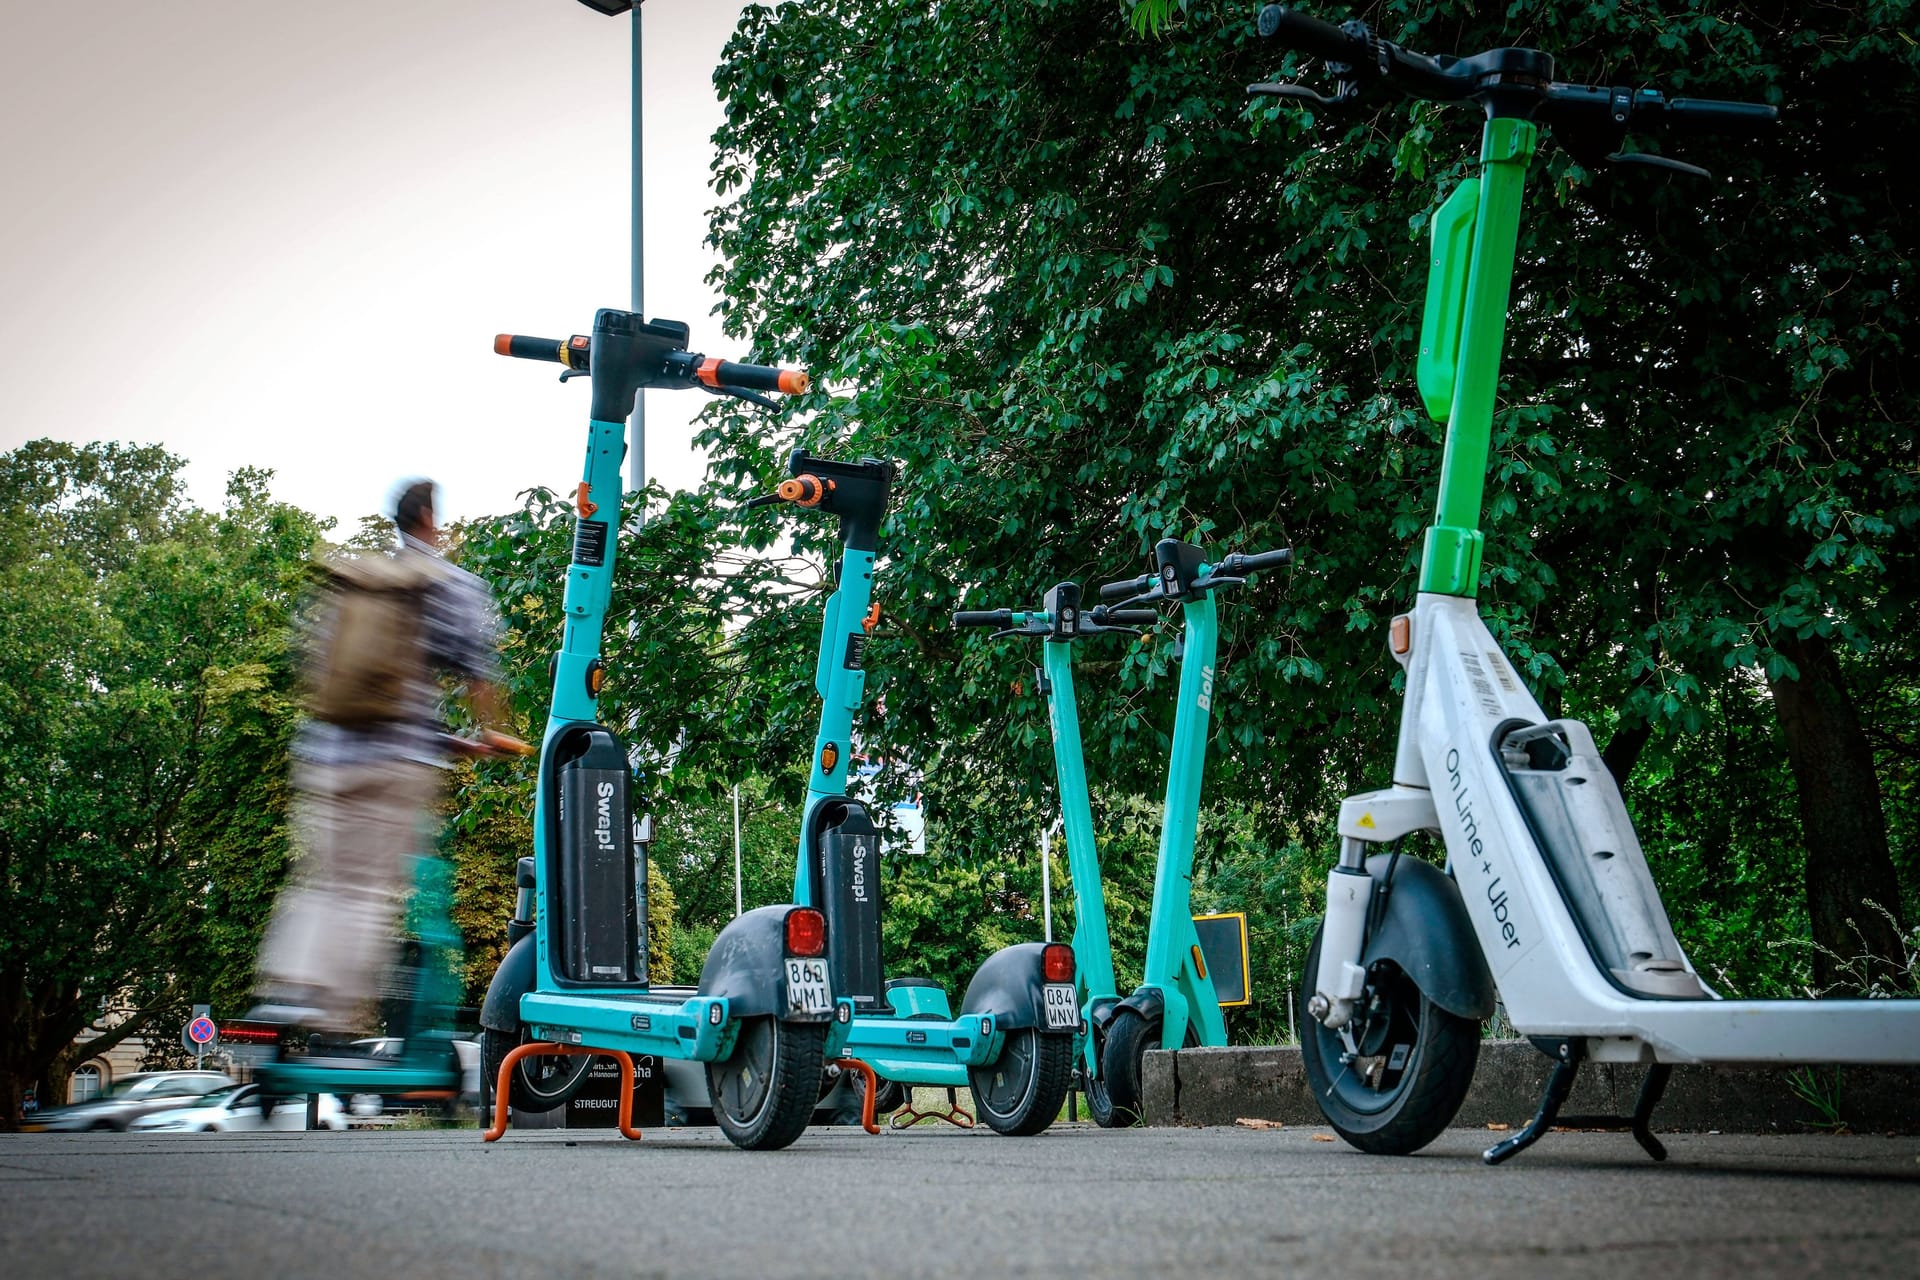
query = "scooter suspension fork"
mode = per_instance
[{"x": 1343, "y": 933}]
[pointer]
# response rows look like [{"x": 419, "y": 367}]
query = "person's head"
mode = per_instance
[{"x": 413, "y": 511}]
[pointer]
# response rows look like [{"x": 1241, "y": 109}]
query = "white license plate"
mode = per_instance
[
  {"x": 807, "y": 987},
  {"x": 1063, "y": 1009}
]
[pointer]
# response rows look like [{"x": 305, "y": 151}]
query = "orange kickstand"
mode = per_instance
[
  {"x": 504, "y": 1084},
  {"x": 955, "y": 1114},
  {"x": 873, "y": 1087}
]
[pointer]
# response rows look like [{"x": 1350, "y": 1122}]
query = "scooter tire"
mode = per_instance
[
  {"x": 1122, "y": 1063},
  {"x": 528, "y": 1091},
  {"x": 764, "y": 1091},
  {"x": 1443, "y": 1049},
  {"x": 1021, "y": 1092}
]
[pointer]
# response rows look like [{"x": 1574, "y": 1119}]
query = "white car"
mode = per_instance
[{"x": 237, "y": 1110}]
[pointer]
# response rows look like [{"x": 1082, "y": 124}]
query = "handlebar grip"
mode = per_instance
[
  {"x": 1131, "y": 587},
  {"x": 1311, "y": 35},
  {"x": 521, "y": 347},
  {"x": 1130, "y": 618},
  {"x": 983, "y": 618},
  {"x": 753, "y": 377},
  {"x": 1259, "y": 560},
  {"x": 1723, "y": 117}
]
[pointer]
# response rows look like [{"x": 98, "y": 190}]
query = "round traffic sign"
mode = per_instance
[{"x": 201, "y": 1031}]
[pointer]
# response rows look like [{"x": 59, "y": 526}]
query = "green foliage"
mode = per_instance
[{"x": 145, "y": 709}]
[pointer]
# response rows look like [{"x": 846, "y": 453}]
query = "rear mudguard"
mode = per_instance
[
  {"x": 748, "y": 964},
  {"x": 500, "y": 1011},
  {"x": 1426, "y": 932},
  {"x": 1008, "y": 987}
]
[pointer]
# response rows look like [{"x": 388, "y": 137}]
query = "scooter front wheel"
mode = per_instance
[
  {"x": 1408, "y": 1071},
  {"x": 539, "y": 1083},
  {"x": 764, "y": 1091},
  {"x": 1021, "y": 1092}
]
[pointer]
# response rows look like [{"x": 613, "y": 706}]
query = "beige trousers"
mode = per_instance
[{"x": 332, "y": 937}]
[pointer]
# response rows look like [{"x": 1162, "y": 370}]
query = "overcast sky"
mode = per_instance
[{"x": 284, "y": 235}]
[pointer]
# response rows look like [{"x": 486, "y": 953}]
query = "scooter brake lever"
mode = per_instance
[
  {"x": 751, "y": 397},
  {"x": 1343, "y": 94},
  {"x": 1647, "y": 160},
  {"x": 572, "y": 373},
  {"x": 764, "y": 500}
]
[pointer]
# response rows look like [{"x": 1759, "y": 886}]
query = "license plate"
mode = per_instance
[
  {"x": 1063, "y": 1009},
  {"x": 807, "y": 987}
]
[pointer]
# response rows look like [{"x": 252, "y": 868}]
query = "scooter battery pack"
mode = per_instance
[
  {"x": 598, "y": 874},
  {"x": 850, "y": 879}
]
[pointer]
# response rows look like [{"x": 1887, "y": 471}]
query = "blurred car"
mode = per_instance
[
  {"x": 237, "y": 1110},
  {"x": 372, "y": 1104},
  {"x": 129, "y": 1098}
]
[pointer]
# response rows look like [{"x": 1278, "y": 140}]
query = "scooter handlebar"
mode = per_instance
[
  {"x": 1237, "y": 564},
  {"x": 1131, "y": 587},
  {"x": 1311, "y": 35},
  {"x": 521, "y": 347},
  {"x": 717, "y": 373},
  {"x": 983, "y": 618},
  {"x": 1126, "y": 617}
]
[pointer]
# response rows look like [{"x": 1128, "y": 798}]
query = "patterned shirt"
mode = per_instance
[{"x": 461, "y": 635}]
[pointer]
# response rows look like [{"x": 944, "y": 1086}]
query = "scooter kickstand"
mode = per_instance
[
  {"x": 1559, "y": 1085},
  {"x": 1650, "y": 1090}
]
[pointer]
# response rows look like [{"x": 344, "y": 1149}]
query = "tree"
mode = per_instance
[
  {"x": 1089, "y": 298},
  {"x": 145, "y": 679}
]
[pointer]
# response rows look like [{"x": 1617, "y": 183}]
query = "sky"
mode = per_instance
[{"x": 283, "y": 235}]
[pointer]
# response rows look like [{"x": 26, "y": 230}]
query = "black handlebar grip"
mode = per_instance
[
  {"x": 1261, "y": 560},
  {"x": 524, "y": 348},
  {"x": 983, "y": 618},
  {"x": 1131, "y": 587},
  {"x": 1721, "y": 117},
  {"x": 1310, "y": 35},
  {"x": 1129, "y": 618},
  {"x": 752, "y": 377}
]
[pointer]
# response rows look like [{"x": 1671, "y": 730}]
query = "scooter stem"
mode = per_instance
[
  {"x": 841, "y": 680},
  {"x": 1093, "y": 951}
]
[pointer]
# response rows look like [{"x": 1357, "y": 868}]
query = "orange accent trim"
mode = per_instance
[
  {"x": 829, "y": 757},
  {"x": 1199, "y": 961},
  {"x": 502, "y": 343},
  {"x": 872, "y": 619},
  {"x": 709, "y": 371},
  {"x": 795, "y": 383},
  {"x": 1400, "y": 634},
  {"x": 807, "y": 490},
  {"x": 585, "y": 505},
  {"x": 873, "y": 1087},
  {"x": 504, "y": 1085}
]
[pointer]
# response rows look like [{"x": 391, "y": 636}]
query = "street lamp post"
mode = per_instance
[{"x": 637, "y": 424}]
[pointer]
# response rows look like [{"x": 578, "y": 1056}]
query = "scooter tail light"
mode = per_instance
[
  {"x": 806, "y": 932},
  {"x": 1056, "y": 962}
]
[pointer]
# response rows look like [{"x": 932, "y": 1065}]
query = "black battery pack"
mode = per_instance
[
  {"x": 601, "y": 865},
  {"x": 849, "y": 863}
]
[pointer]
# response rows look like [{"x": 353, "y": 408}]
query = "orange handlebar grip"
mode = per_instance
[{"x": 794, "y": 383}]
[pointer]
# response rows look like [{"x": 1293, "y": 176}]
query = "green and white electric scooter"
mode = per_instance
[{"x": 1546, "y": 891}]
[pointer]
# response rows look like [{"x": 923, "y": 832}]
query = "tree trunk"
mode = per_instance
[{"x": 1843, "y": 823}]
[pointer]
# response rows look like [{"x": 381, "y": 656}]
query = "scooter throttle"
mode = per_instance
[
  {"x": 1131, "y": 587},
  {"x": 983, "y": 618},
  {"x": 1237, "y": 564},
  {"x": 717, "y": 373},
  {"x": 572, "y": 352},
  {"x": 1311, "y": 35},
  {"x": 1105, "y": 617}
]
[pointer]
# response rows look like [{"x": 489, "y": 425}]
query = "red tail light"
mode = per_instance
[
  {"x": 1056, "y": 962},
  {"x": 806, "y": 932}
]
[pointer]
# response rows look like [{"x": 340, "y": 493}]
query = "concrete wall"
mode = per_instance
[{"x": 1220, "y": 1086}]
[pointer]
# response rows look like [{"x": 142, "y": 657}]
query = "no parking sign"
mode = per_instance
[{"x": 200, "y": 1034}]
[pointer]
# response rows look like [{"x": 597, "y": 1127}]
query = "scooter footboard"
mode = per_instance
[{"x": 1577, "y": 816}]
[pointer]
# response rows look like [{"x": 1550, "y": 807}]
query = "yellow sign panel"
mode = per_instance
[{"x": 1223, "y": 940}]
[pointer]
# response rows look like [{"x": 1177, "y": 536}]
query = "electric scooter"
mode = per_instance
[
  {"x": 762, "y": 1018},
  {"x": 1175, "y": 1005},
  {"x": 1546, "y": 893},
  {"x": 1012, "y": 1041}
]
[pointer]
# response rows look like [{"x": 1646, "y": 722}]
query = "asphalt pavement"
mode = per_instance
[{"x": 1075, "y": 1201}]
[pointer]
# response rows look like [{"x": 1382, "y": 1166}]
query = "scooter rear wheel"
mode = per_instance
[
  {"x": 1411, "y": 1074},
  {"x": 1021, "y": 1092},
  {"x": 544, "y": 1082},
  {"x": 764, "y": 1091}
]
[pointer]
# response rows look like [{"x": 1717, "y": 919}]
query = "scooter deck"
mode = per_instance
[
  {"x": 667, "y": 1022},
  {"x": 923, "y": 1050}
]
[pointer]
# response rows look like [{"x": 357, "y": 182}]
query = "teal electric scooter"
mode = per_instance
[
  {"x": 1012, "y": 1041},
  {"x": 1060, "y": 622},
  {"x": 1175, "y": 1005},
  {"x": 762, "y": 1018}
]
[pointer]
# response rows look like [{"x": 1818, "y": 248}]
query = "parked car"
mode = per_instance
[
  {"x": 129, "y": 1098},
  {"x": 237, "y": 1110}
]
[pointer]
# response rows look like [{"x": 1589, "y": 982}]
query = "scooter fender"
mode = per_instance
[
  {"x": 1008, "y": 986},
  {"x": 500, "y": 1011},
  {"x": 1426, "y": 932},
  {"x": 748, "y": 965}
]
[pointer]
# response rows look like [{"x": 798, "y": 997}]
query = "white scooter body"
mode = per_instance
[{"x": 1461, "y": 692}]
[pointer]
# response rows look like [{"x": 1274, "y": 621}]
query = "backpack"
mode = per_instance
[{"x": 370, "y": 644}]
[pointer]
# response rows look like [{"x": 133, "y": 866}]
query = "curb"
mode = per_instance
[{"x": 1267, "y": 1082}]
